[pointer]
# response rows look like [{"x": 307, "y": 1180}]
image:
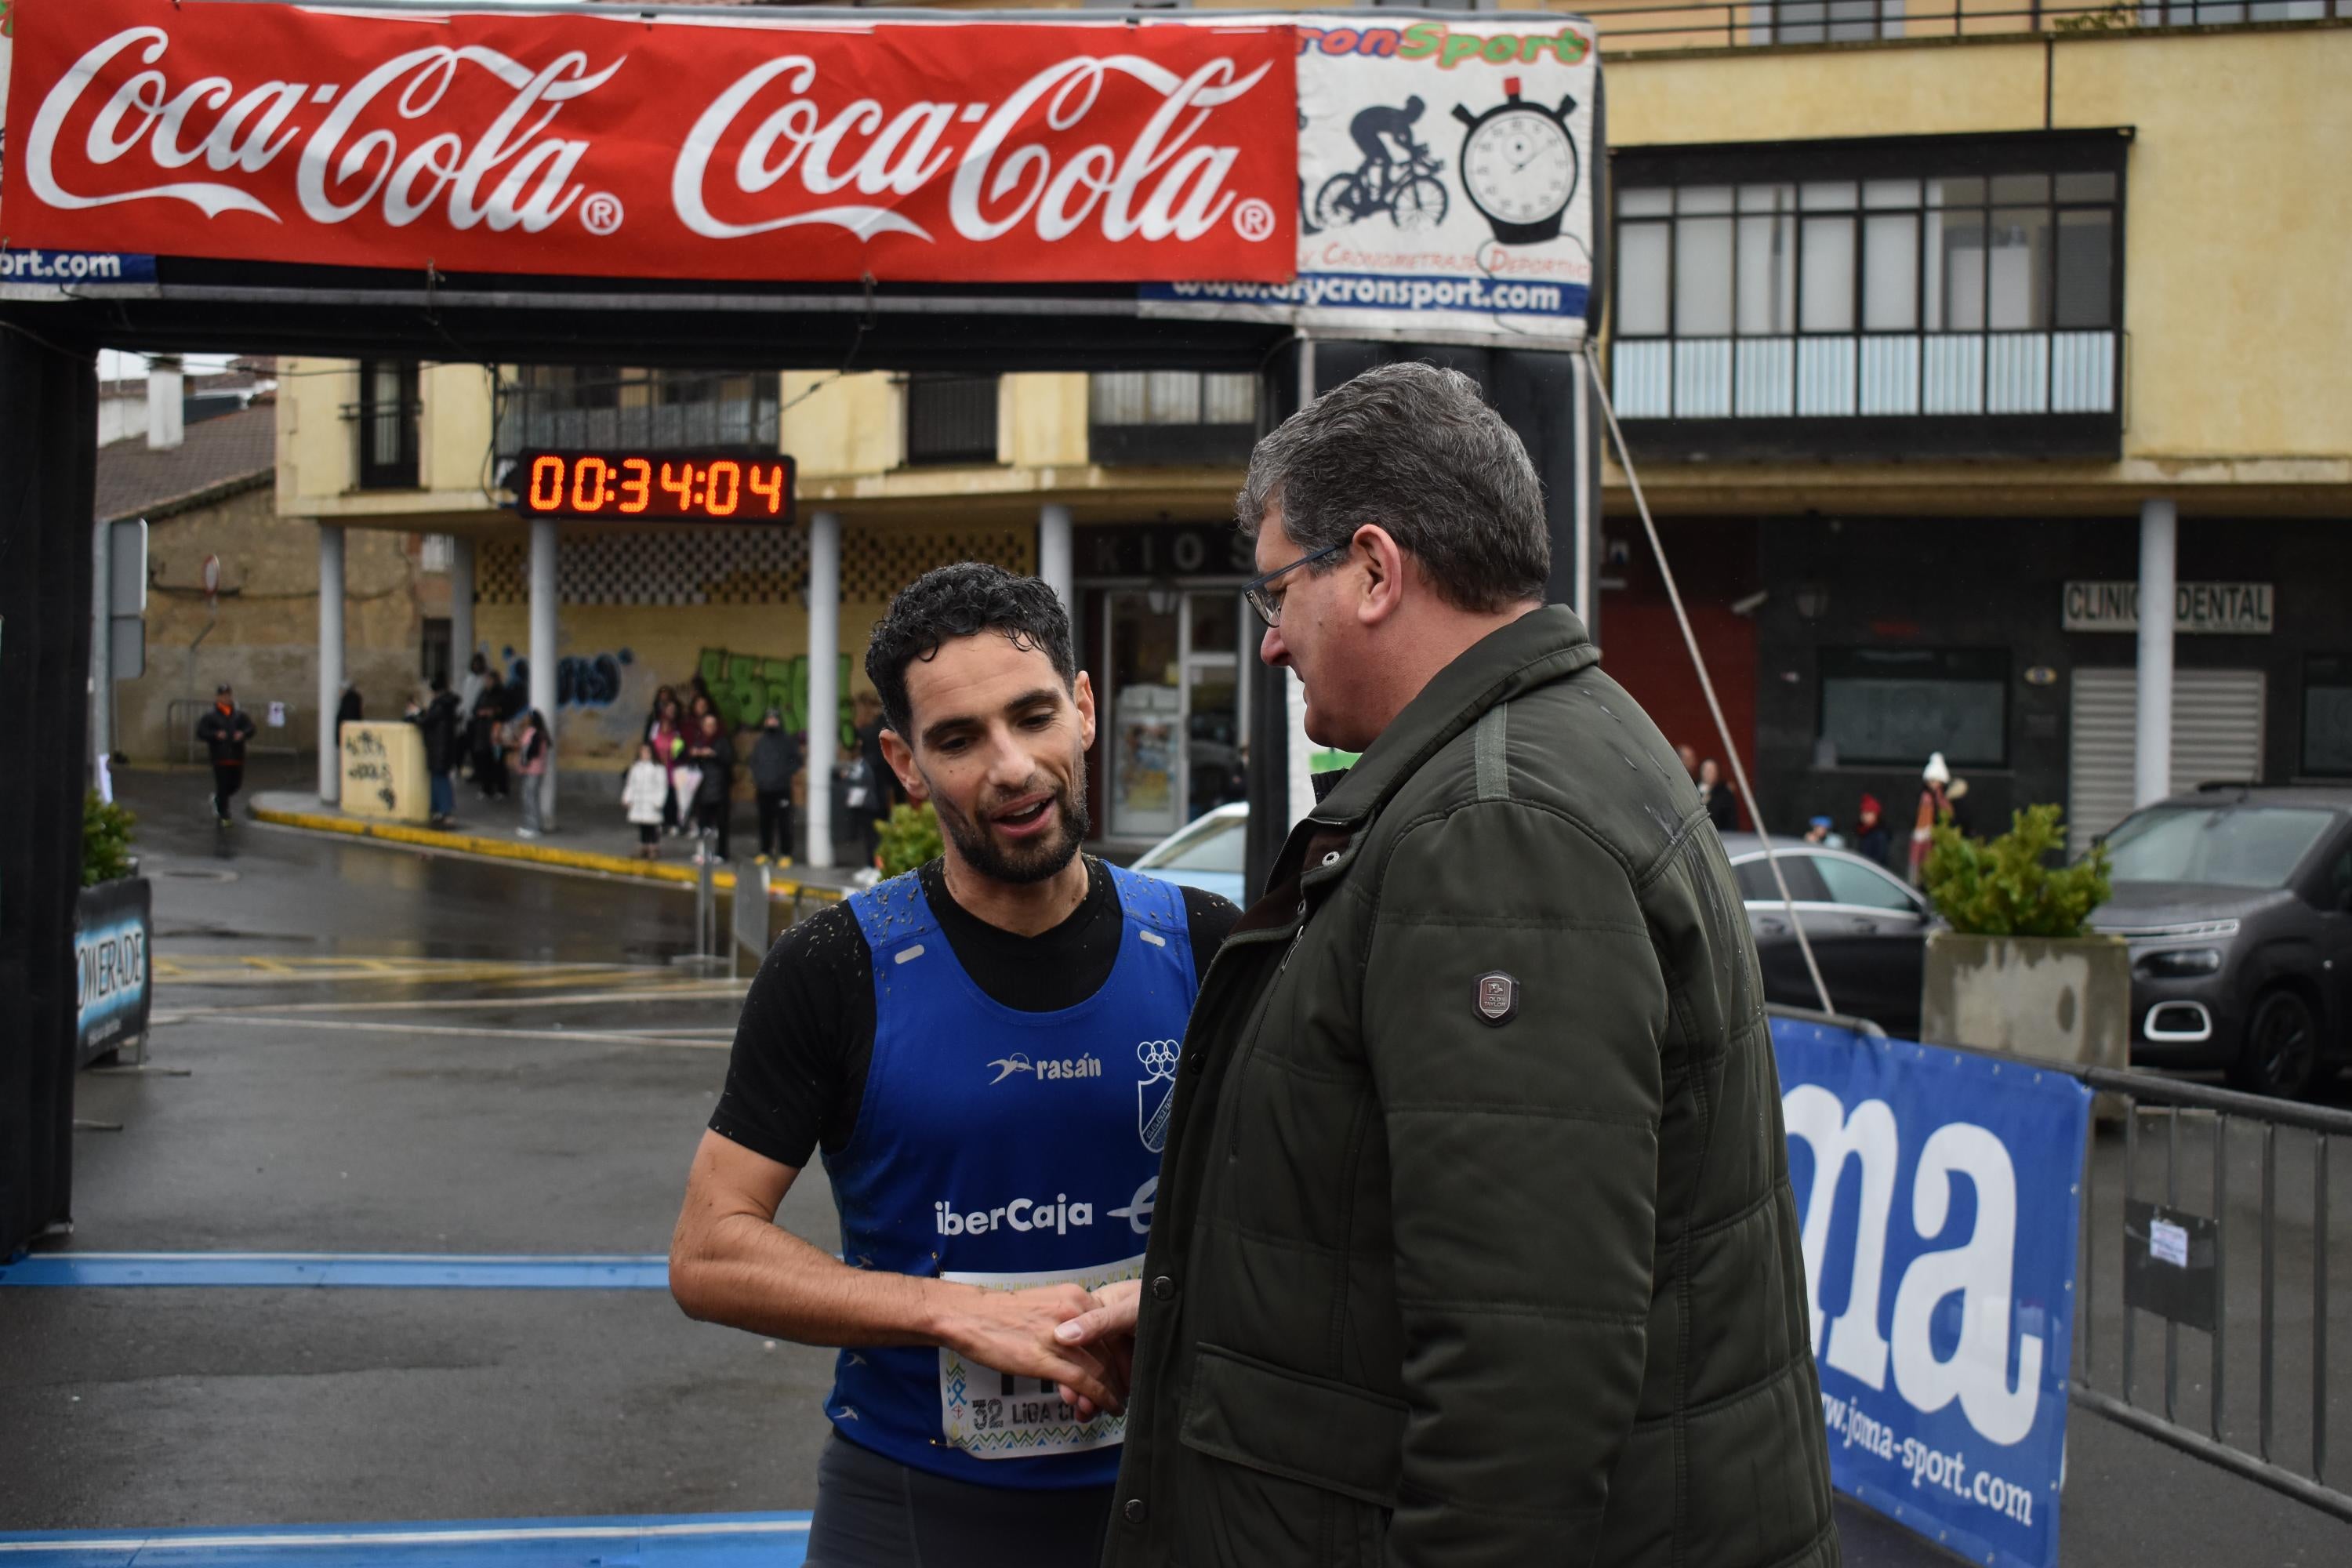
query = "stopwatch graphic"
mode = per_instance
[{"x": 1519, "y": 166}]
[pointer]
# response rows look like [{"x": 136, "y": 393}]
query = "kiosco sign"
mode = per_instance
[
  {"x": 1940, "y": 1195},
  {"x": 722, "y": 146}
]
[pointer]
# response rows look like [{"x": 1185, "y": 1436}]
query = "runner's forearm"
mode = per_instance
[{"x": 745, "y": 1272}]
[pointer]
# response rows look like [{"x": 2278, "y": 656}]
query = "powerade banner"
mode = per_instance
[
  {"x": 113, "y": 924},
  {"x": 728, "y": 144},
  {"x": 1448, "y": 174},
  {"x": 1939, "y": 1192}
]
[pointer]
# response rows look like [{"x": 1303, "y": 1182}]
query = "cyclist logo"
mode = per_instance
[
  {"x": 1153, "y": 1108},
  {"x": 1408, "y": 189}
]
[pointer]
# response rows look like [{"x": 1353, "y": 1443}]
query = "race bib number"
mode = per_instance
[{"x": 992, "y": 1415}]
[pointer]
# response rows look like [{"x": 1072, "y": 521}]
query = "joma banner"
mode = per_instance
[
  {"x": 728, "y": 146},
  {"x": 1940, "y": 1196}
]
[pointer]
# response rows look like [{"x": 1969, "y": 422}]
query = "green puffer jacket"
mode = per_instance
[{"x": 1474, "y": 1242}]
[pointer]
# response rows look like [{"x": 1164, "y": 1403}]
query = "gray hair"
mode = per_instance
[{"x": 1418, "y": 451}]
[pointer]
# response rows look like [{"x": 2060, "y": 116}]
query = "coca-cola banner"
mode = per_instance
[
  {"x": 725, "y": 146},
  {"x": 1447, "y": 176}
]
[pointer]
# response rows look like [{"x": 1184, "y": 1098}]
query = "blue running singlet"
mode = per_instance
[{"x": 1006, "y": 1150}]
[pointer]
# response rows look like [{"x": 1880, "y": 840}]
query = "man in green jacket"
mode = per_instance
[{"x": 1474, "y": 1243}]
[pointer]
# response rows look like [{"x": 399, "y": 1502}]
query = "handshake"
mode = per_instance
[{"x": 1083, "y": 1341}]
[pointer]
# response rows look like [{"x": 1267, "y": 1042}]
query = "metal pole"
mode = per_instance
[
  {"x": 1300, "y": 751},
  {"x": 2269, "y": 1271},
  {"x": 2319, "y": 1308},
  {"x": 1053, "y": 555},
  {"x": 2131, "y": 1163},
  {"x": 2221, "y": 1258},
  {"x": 2152, "y": 751},
  {"x": 543, "y": 655},
  {"x": 2171, "y": 1200},
  {"x": 1588, "y": 489},
  {"x": 823, "y": 679},
  {"x": 330, "y": 661}
]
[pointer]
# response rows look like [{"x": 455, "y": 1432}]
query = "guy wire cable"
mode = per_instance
[{"x": 1705, "y": 684}]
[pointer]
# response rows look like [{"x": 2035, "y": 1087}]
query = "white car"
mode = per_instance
[{"x": 1206, "y": 853}]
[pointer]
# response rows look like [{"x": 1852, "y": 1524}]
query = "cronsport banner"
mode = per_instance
[
  {"x": 1940, "y": 1196},
  {"x": 1448, "y": 172}
]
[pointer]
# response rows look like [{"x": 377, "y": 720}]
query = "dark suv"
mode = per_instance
[{"x": 2237, "y": 903}]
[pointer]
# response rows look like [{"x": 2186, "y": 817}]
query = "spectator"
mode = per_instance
[
  {"x": 1955, "y": 806},
  {"x": 642, "y": 793},
  {"x": 668, "y": 732},
  {"x": 224, "y": 728},
  {"x": 1821, "y": 831},
  {"x": 1932, "y": 780},
  {"x": 1689, "y": 756},
  {"x": 775, "y": 758},
  {"x": 469, "y": 690},
  {"x": 1721, "y": 809},
  {"x": 439, "y": 724},
  {"x": 484, "y": 719},
  {"x": 347, "y": 710},
  {"x": 1871, "y": 839},
  {"x": 531, "y": 770},
  {"x": 714, "y": 792},
  {"x": 883, "y": 789}
]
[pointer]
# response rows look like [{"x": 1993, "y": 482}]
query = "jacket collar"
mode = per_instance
[{"x": 1539, "y": 648}]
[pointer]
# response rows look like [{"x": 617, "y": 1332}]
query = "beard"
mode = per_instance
[{"x": 1028, "y": 863}]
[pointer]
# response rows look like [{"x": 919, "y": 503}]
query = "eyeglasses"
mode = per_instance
[{"x": 1268, "y": 606}]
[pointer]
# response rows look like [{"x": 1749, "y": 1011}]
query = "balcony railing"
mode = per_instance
[
  {"x": 1667, "y": 25},
  {"x": 950, "y": 419},
  {"x": 656, "y": 410},
  {"x": 1894, "y": 375}
]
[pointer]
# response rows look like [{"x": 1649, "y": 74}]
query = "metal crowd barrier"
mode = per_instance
[{"x": 2195, "y": 1272}]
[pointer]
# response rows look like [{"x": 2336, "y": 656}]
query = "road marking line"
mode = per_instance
[
  {"x": 351, "y": 1270},
  {"x": 685, "y": 991},
  {"x": 298, "y": 1537},
  {"x": 391, "y": 1026}
]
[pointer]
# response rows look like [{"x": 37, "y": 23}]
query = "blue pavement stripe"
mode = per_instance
[
  {"x": 416, "y": 1271},
  {"x": 675, "y": 1540}
]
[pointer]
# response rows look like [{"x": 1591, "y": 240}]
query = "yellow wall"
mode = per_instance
[
  {"x": 318, "y": 449},
  {"x": 2238, "y": 201}
]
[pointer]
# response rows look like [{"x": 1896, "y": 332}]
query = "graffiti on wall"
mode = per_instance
[
  {"x": 744, "y": 686},
  {"x": 582, "y": 679}
]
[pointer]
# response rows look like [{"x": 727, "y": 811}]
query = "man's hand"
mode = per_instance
[
  {"x": 1106, "y": 1330},
  {"x": 1016, "y": 1333}
]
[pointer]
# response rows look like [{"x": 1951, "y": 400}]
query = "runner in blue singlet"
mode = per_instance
[{"x": 983, "y": 1050}]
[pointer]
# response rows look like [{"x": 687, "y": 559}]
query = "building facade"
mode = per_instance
[{"x": 1938, "y": 340}]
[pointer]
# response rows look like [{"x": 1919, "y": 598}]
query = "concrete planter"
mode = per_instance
[{"x": 2053, "y": 999}]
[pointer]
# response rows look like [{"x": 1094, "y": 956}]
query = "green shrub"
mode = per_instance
[
  {"x": 911, "y": 837},
  {"x": 2006, "y": 886},
  {"x": 105, "y": 840}
]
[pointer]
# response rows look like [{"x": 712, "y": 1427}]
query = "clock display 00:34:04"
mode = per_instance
[{"x": 635, "y": 487}]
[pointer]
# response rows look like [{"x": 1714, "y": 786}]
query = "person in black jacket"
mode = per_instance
[
  {"x": 440, "y": 725},
  {"x": 714, "y": 753},
  {"x": 1721, "y": 808},
  {"x": 493, "y": 706},
  {"x": 775, "y": 758},
  {"x": 224, "y": 728}
]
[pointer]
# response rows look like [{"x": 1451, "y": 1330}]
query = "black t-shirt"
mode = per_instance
[{"x": 798, "y": 1072}]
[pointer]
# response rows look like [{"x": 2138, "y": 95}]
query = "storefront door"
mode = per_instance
[{"x": 1173, "y": 714}]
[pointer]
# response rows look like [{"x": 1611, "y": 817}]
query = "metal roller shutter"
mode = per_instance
[{"x": 2217, "y": 733}]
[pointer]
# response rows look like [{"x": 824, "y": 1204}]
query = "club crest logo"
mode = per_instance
[
  {"x": 1155, "y": 1096},
  {"x": 1497, "y": 996}
]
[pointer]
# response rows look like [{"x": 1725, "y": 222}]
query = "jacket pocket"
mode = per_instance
[{"x": 1332, "y": 1436}]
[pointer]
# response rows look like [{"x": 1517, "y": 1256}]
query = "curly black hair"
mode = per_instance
[{"x": 961, "y": 601}]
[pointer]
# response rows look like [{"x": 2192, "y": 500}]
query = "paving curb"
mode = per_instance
[{"x": 535, "y": 854}]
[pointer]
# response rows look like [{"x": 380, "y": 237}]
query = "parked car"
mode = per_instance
[
  {"x": 2237, "y": 903},
  {"x": 1206, "y": 853},
  {"x": 1868, "y": 929}
]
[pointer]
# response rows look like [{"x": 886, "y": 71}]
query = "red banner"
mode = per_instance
[{"x": 719, "y": 147}]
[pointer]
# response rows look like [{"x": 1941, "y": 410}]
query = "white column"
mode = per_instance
[
  {"x": 101, "y": 640},
  {"x": 823, "y": 679},
  {"x": 2158, "y": 543},
  {"x": 543, "y": 651},
  {"x": 330, "y": 661},
  {"x": 461, "y": 609},
  {"x": 1054, "y": 556},
  {"x": 1299, "y": 764}
]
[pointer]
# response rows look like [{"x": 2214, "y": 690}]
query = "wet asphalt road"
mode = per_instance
[{"x": 390, "y": 1052}]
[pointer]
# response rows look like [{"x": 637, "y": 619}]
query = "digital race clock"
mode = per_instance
[{"x": 655, "y": 487}]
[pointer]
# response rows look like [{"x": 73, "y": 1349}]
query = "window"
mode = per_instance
[
  {"x": 1852, "y": 882},
  {"x": 1757, "y": 886},
  {"x": 1905, "y": 281},
  {"x": 1829, "y": 21},
  {"x": 564, "y": 407},
  {"x": 950, "y": 419},
  {"x": 2328, "y": 716},
  {"x": 386, "y": 417},
  {"x": 1894, "y": 706},
  {"x": 1171, "y": 416},
  {"x": 433, "y": 649},
  {"x": 2221, "y": 846}
]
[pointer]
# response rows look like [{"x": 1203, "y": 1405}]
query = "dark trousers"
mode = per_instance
[
  {"x": 712, "y": 818},
  {"x": 874, "y": 1512},
  {"x": 227, "y": 777},
  {"x": 775, "y": 822},
  {"x": 489, "y": 773},
  {"x": 445, "y": 795}
]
